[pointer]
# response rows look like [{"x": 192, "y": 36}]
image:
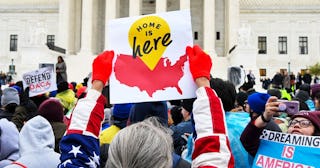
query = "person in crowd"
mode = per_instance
[
  {"x": 298, "y": 80},
  {"x": 9, "y": 142},
  {"x": 61, "y": 70},
  {"x": 152, "y": 146},
  {"x": 27, "y": 108},
  {"x": 9, "y": 102},
  {"x": 184, "y": 127},
  {"x": 251, "y": 78},
  {"x": 277, "y": 81},
  {"x": 315, "y": 88},
  {"x": 175, "y": 115},
  {"x": 256, "y": 106},
  {"x": 307, "y": 78},
  {"x": 304, "y": 97},
  {"x": 66, "y": 96},
  {"x": 236, "y": 119},
  {"x": 52, "y": 110},
  {"x": 292, "y": 82},
  {"x": 317, "y": 101},
  {"x": 36, "y": 145},
  {"x": 80, "y": 146},
  {"x": 303, "y": 123},
  {"x": 120, "y": 115},
  {"x": 286, "y": 81}
]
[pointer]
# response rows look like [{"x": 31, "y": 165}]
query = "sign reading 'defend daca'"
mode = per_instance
[
  {"x": 40, "y": 81},
  {"x": 281, "y": 150}
]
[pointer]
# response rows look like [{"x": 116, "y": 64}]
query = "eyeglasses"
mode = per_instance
[{"x": 302, "y": 123}]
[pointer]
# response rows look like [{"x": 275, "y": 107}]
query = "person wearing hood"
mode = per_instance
[
  {"x": 9, "y": 142},
  {"x": 36, "y": 143}
]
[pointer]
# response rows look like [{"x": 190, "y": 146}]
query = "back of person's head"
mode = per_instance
[
  {"x": 141, "y": 111},
  {"x": 257, "y": 102},
  {"x": 62, "y": 86},
  {"x": 241, "y": 97},
  {"x": 9, "y": 142},
  {"x": 10, "y": 96},
  {"x": 302, "y": 95},
  {"x": 143, "y": 144},
  {"x": 225, "y": 91},
  {"x": 274, "y": 92},
  {"x": 52, "y": 110},
  {"x": 187, "y": 104},
  {"x": 306, "y": 87},
  {"x": 176, "y": 115}
]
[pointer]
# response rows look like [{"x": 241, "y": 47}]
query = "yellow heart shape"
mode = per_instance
[{"x": 149, "y": 37}]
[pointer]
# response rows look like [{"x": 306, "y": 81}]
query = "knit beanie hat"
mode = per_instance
[
  {"x": 18, "y": 88},
  {"x": 52, "y": 110},
  {"x": 121, "y": 111},
  {"x": 313, "y": 116},
  {"x": 81, "y": 91},
  {"x": 187, "y": 104},
  {"x": 10, "y": 95},
  {"x": 257, "y": 102},
  {"x": 141, "y": 111}
]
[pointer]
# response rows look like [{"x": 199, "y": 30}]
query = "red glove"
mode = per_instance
[
  {"x": 200, "y": 62},
  {"x": 102, "y": 66}
]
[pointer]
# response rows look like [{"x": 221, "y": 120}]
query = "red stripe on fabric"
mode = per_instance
[
  {"x": 20, "y": 164},
  {"x": 74, "y": 132},
  {"x": 96, "y": 117},
  {"x": 231, "y": 163},
  {"x": 206, "y": 145},
  {"x": 216, "y": 112},
  {"x": 208, "y": 167}
]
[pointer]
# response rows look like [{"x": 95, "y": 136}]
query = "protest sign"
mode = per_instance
[
  {"x": 287, "y": 151},
  {"x": 151, "y": 62},
  {"x": 40, "y": 81}
]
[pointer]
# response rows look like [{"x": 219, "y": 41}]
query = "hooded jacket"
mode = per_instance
[
  {"x": 9, "y": 142},
  {"x": 37, "y": 145}
]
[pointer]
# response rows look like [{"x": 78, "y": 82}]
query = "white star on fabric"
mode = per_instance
[
  {"x": 91, "y": 164},
  {"x": 75, "y": 150},
  {"x": 95, "y": 158},
  {"x": 66, "y": 162}
]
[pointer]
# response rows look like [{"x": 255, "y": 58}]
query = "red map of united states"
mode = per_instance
[{"x": 133, "y": 72}]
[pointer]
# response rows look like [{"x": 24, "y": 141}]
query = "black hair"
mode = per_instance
[{"x": 226, "y": 92}]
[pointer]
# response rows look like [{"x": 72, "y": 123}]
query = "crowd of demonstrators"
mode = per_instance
[{"x": 67, "y": 123}]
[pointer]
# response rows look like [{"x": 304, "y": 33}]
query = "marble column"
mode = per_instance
[
  {"x": 209, "y": 26},
  {"x": 66, "y": 26},
  {"x": 111, "y": 13},
  {"x": 161, "y": 6},
  {"x": 134, "y": 7},
  {"x": 184, "y": 4},
  {"x": 87, "y": 27},
  {"x": 231, "y": 24}
]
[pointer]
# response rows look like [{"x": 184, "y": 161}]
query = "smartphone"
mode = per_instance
[{"x": 289, "y": 107}]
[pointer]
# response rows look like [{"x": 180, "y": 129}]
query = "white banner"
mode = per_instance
[{"x": 40, "y": 81}]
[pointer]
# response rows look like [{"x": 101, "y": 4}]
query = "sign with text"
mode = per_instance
[
  {"x": 287, "y": 151},
  {"x": 150, "y": 58},
  {"x": 40, "y": 81}
]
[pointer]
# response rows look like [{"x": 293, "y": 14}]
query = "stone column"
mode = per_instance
[
  {"x": 184, "y": 4},
  {"x": 209, "y": 26},
  {"x": 111, "y": 13},
  {"x": 87, "y": 27},
  {"x": 134, "y": 7},
  {"x": 232, "y": 24},
  {"x": 161, "y": 6},
  {"x": 66, "y": 26}
]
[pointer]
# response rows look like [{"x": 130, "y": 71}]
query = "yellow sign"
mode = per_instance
[{"x": 149, "y": 37}]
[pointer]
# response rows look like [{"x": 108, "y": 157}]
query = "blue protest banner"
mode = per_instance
[{"x": 287, "y": 151}]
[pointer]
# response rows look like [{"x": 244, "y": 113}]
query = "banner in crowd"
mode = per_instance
[
  {"x": 40, "y": 81},
  {"x": 151, "y": 62},
  {"x": 287, "y": 151}
]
